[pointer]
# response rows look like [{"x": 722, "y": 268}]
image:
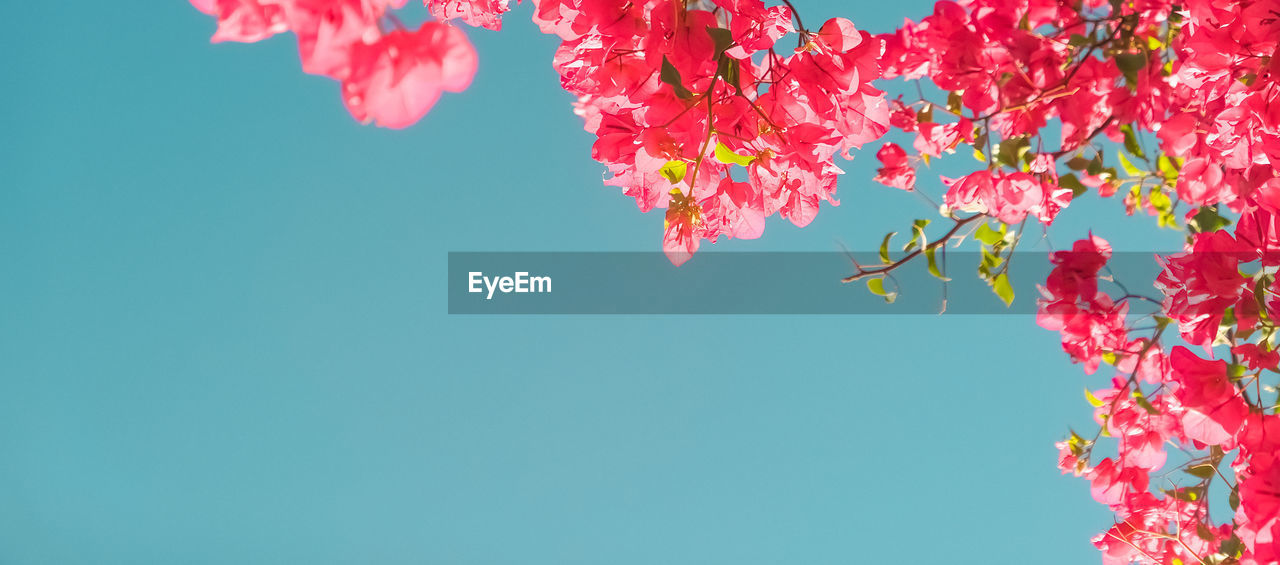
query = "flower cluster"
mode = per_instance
[
  {"x": 390, "y": 77},
  {"x": 1091, "y": 323},
  {"x": 678, "y": 97},
  {"x": 1224, "y": 108},
  {"x": 1188, "y": 92},
  {"x": 697, "y": 110},
  {"x": 1161, "y": 399},
  {"x": 681, "y": 98}
]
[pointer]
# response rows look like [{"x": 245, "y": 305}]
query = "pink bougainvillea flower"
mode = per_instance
[
  {"x": 1201, "y": 283},
  {"x": 1112, "y": 484},
  {"x": 1203, "y": 388},
  {"x": 755, "y": 27},
  {"x": 478, "y": 13},
  {"x": 329, "y": 30},
  {"x": 245, "y": 21},
  {"x": 683, "y": 230},
  {"x": 896, "y": 172},
  {"x": 1257, "y": 357},
  {"x": 396, "y": 80},
  {"x": 1009, "y": 197}
]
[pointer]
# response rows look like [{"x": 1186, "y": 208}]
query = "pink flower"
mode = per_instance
[
  {"x": 1216, "y": 411},
  {"x": 896, "y": 172},
  {"x": 1200, "y": 284},
  {"x": 1200, "y": 182},
  {"x": 1256, "y": 357},
  {"x": 479, "y": 13},
  {"x": 1258, "y": 515},
  {"x": 902, "y": 116},
  {"x": 329, "y": 30},
  {"x": 244, "y": 20},
  {"x": 683, "y": 230},
  {"x": 935, "y": 139},
  {"x": 1071, "y": 304},
  {"x": 395, "y": 81},
  {"x": 1112, "y": 484},
  {"x": 1007, "y": 197},
  {"x": 755, "y": 27}
]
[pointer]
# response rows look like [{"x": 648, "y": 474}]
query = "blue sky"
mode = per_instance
[{"x": 224, "y": 339}]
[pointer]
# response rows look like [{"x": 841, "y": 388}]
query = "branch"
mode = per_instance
[{"x": 863, "y": 273}]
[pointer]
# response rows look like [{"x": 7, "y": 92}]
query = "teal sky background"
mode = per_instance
[{"x": 224, "y": 339}]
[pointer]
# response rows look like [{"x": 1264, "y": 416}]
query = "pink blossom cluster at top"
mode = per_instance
[
  {"x": 391, "y": 78},
  {"x": 695, "y": 110},
  {"x": 1210, "y": 95},
  {"x": 678, "y": 97}
]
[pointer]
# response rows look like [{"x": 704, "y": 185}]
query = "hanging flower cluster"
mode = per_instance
[
  {"x": 697, "y": 109},
  {"x": 1186, "y": 94},
  {"x": 679, "y": 97},
  {"x": 390, "y": 76}
]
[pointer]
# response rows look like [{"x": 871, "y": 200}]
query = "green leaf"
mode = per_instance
[
  {"x": 933, "y": 264},
  {"x": 1093, "y": 400},
  {"x": 884, "y": 247},
  {"x": 1070, "y": 181},
  {"x": 1188, "y": 494},
  {"x": 1168, "y": 167},
  {"x": 1131, "y": 141},
  {"x": 722, "y": 38},
  {"x": 1094, "y": 168},
  {"x": 728, "y": 157},
  {"x": 1145, "y": 404},
  {"x": 1208, "y": 220},
  {"x": 1077, "y": 444},
  {"x": 1202, "y": 471},
  {"x": 1078, "y": 40},
  {"x": 912, "y": 244},
  {"x": 1204, "y": 532},
  {"x": 876, "y": 286},
  {"x": 917, "y": 236},
  {"x": 986, "y": 235},
  {"x": 1009, "y": 152},
  {"x": 1236, "y": 372},
  {"x": 1077, "y": 163},
  {"x": 1130, "y": 64},
  {"x": 1260, "y": 295},
  {"x": 979, "y": 142},
  {"x": 1128, "y": 166},
  {"x": 1002, "y": 288},
  {"x": 918, "y": 227},
  {"x": 1233, "y": 547},
  {"x": 1234, "y": 499},
  {"x": 1159, "y": 200},
  {"x": 674, "y": 171},
  {"x": 728, "y": 69},
  {"x": 990, "y": 260},
  {"x": 732, "y": 73},
  {"x": 671, "y": 76},
  {"x": 953, "y": 102}
]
